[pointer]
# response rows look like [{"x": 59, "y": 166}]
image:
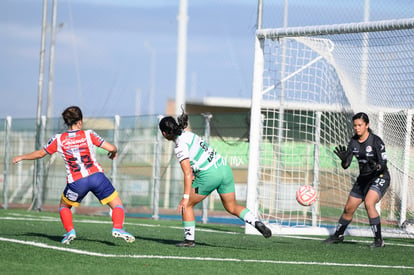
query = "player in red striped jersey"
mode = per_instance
[{"x": 84, "y": 173}]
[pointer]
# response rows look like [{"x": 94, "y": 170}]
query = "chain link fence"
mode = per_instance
[{"x": 145, "y": 173}]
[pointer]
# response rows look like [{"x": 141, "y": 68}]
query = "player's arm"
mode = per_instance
[
  {"x": 97, "y": 140},
  {"x": 345, "y": 154},
  {"x": 30, "y": 156},
  {"x": 381, "y": 156},
  {"x": 188, "y": 175},
  {"x": 112, "y": 150},
  {"x": 188, "y": 180}
]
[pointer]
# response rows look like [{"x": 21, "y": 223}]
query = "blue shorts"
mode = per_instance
[{"x": 97, "y": 183}]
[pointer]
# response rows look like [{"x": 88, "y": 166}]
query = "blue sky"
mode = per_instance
[{"x": 103, "y": 49}]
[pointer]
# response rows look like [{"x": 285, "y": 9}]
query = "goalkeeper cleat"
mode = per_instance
[
  {"x": 186, "y": 243},
  {"x": 119, "y": 233},
  {"x": 68, "y": 237},
  {"x": 262, "y": 228},
  {"x": 334, "y": 239},
  {"x": 377, "y": 243}
]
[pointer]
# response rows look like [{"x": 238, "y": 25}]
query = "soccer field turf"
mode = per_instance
[{"x": 30, "y": 243}]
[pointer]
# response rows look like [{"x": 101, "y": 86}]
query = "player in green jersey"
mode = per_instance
[{"x": 204, "y": 171}]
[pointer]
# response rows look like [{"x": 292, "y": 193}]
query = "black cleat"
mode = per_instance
[
  {"x": 262, "y": 228},
  {"x": 334, "y": 239},
  {"x": 377, "y": 243},
  {"x": 186, "y": 243}
]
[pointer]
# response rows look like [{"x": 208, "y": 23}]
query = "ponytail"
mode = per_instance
[
  {"x": 171, "y": 128},
  {"x": 183, "y": 121}
]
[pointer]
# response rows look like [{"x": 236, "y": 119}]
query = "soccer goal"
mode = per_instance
[{"x": 308, "y": 82}]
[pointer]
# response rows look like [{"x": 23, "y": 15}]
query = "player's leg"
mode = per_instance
[
  {"x": 243, "y": 213},
  {"x": 118, "y": 217},
  {"x": 103, "y": 189},
  {"x": 227, "y": 194},
  {"x": 377, "y": 190},
  {"x": 118, "y": 212},
  {"x": 371, "y": 200},
  {"x": 71, "y": 196},
  {"x": 350, "y": 207},
  {"x": 188, "y": 218},
  {"x": 65, "y": 213},
  {"x": 203, "y": 184}
]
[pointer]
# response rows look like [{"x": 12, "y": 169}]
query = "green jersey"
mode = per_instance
[{"x": 190, "y": 146}]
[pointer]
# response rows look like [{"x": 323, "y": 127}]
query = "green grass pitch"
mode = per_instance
[{"x": 30, "y": 244}]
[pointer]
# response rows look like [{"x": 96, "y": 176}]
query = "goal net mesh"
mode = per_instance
[{"x": 312, "y": 84}]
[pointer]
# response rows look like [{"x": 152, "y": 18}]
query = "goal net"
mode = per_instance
[{"x": 308, "y": 83}]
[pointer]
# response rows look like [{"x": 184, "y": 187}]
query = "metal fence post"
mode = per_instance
[
  {"x": 7, "y": 127},
  {"x": 207, "y": 118},
  {"x": 40, "y": 194},
  {"x": 39, "y": 169},
  {"x": 114, "y": 174},
  {"x": 157, "y": 174}
]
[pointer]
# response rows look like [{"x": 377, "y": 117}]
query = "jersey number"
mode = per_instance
[{"x": 75, "y": 167}]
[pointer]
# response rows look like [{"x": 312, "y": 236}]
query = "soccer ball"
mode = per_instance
[{"x": 306, "y": 195}]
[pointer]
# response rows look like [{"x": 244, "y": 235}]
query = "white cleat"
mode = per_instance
[{"x": 119, "y": 233}]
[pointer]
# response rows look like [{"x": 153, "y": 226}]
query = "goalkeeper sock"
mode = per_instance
[
  {"x": 189, "y": 230},
  {"x": 118, "y": 216},
  {"x": 342, "y": 225},
  {"x": 66, "y": 218},
  {"x": 375, "y": 224},
  {"x": 247, "y": 216}
]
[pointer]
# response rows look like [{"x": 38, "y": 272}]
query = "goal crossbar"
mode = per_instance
[{"x": 374, "y": 26}]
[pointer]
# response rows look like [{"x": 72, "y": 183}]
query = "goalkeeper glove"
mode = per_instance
[{"x": 341, "y": 152}]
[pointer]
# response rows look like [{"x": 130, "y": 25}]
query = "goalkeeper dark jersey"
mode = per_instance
[{"x": 371, "y": 151}]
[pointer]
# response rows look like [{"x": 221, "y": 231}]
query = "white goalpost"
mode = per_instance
[{"x": 308, "y": 82}]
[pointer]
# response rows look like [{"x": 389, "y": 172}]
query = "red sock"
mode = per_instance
[
  {"x": 66, "y": 217},
  {"x": 118, "y": 215}
]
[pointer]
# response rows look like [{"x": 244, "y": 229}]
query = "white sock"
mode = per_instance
[
  {"x": 250, "y": 218},
  {"x": 189, "y": 233}
]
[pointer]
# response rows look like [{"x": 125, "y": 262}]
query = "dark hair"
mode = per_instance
[
  {"x": 364, "y": 117},
  {"x": 72, "y": 115},
  {"x": 171, "y": 128}
]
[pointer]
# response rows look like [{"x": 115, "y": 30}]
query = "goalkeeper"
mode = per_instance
[
  {"x": 372, "y": 182},
  {"x": 204, "y": 171}
]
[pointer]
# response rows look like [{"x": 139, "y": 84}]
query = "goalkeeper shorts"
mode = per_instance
[{"x": 379, "y": 184}]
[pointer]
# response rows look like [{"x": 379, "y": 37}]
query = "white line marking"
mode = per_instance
[
  {"x": 52, "y": 219},
  {"x": 89, "y": 253}
]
